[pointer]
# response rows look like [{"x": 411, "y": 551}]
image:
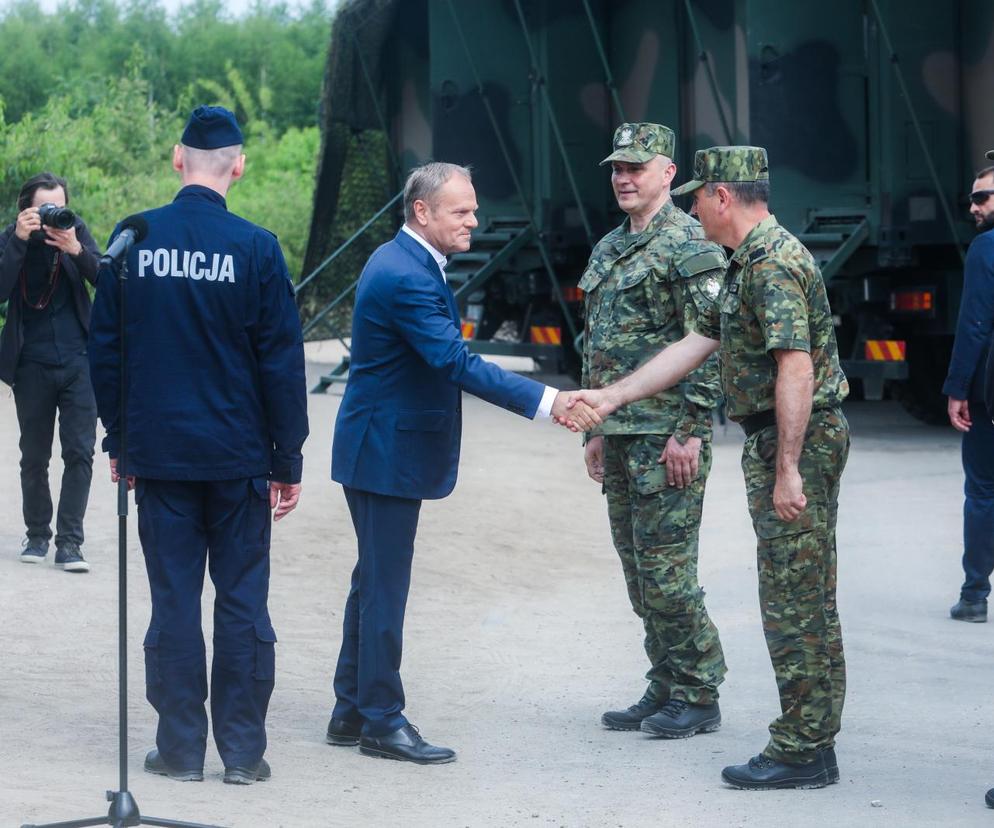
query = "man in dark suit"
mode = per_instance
[
  {"x": 397, "y": 443},
  {"x": 964, "y": 388}
]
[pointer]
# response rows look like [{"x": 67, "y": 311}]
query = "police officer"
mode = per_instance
[
  {"x": 643, "y": 286},
  {"x": 783, "y": 384},
  {"x": 216, "y": 417},
  {"x": 43, "y": 274}
]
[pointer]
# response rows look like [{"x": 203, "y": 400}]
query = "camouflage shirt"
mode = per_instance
[
  {"x": 773, "y": 298},
  {"x": 644, "y": 292}
]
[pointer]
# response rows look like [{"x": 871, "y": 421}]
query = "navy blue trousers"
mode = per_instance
[
  {"x": 368, "y": 688},
  {"x": 978, "y": 507},
  {"x": 225, "y": 525}
]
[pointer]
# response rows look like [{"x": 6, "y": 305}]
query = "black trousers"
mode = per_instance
[{"x": 39, "y": 392}]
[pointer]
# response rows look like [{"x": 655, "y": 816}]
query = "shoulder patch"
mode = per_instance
[
  {"x": 758, "y": 254},
  {"x": 704, "y": 258}
]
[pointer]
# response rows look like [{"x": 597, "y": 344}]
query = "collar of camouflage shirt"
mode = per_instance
[
  {"x": 651, "y": 229},
  {"x": 753, "y": 238}
]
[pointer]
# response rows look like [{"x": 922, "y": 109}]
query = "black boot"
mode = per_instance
[
  {"x": 765, "y": 774},
  {"x": 989, "y": 798},
  {"x": 679, "y": 719},
  {"x": 630, "y": 719},
  {"x": 975, "y": 611},
  {"x": 831, "y": 764}
]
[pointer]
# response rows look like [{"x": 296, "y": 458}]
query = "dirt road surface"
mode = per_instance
[{"x": 518, "y": 637}]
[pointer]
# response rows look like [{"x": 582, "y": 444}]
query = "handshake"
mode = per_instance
[{"x": 584, "y": 409}]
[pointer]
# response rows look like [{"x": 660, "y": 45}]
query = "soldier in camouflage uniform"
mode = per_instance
[
  {"x": 783, "y": 383},
  {"x": 653, "y": 457}
]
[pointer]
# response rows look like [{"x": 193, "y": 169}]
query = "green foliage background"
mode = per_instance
[{"x": 98, "y": 92}]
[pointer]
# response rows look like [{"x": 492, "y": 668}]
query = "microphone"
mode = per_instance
[{"x": 133, "y": 229}]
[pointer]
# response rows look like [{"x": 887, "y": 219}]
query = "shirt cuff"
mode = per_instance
[{"x": 544, "y": 410}]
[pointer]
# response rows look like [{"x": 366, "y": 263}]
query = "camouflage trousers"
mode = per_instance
[
  {"x": 655, "y": 529},
  {"x": 797, "y": 579}
]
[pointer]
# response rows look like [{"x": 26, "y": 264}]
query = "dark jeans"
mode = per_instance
[
  {"x": 40, "y": 391},
  {"x": 978, "y": 507}
]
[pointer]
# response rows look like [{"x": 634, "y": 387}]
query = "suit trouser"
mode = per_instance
[
  {"x": 224, "y": 524},
  {"x": 39, "y": 392},
  {"x": 655, "y": 528},
  {"x": 797, "y": 563},
  {"x": 978, "y": 505},
  {"x": 368, "y": 688}
]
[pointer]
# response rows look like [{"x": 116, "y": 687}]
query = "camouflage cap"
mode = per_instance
[
  {"x": 727, "y": 164},
  {"x": 638, "y": 143}
]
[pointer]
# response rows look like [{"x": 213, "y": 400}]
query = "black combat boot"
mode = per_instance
[
  {"x": 765, "y": 774},
  {"x": 975, "y": 611},
  {"x": 679, "y": 719},
  {"x": 631, "y": 719}
]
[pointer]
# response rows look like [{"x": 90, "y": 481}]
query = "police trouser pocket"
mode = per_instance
[
  {"x": 153, "y": 675},
  {"x": 265, "y": 651}
]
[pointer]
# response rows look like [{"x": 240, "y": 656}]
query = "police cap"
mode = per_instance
[{"x": 211, "y": 127}]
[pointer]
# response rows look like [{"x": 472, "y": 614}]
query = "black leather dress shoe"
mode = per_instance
[
  {"x": 343, "y": 732},
  {"x": 406, "y": 745},
  {"x": 975, "y": 611},
  {"x": 765, "y": 774},
  {"x": 154, "y": 763},
  {"x": 630, "y": 719},
  {"x": 679, "y": 719},
  {"x": 259, "y": 772}
]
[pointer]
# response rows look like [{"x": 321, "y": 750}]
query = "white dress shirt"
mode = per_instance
[{"x": 544, "y": 410}]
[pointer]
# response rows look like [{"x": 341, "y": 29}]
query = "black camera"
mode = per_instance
[{"x": 61, "y": 217}]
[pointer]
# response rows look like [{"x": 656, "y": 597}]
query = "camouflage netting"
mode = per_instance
[{"x": 354, "y": 175}]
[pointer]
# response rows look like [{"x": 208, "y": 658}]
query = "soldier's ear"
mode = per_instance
[
  {"x": 239, "y": 169},
  {"x": 178, "y": 158}
]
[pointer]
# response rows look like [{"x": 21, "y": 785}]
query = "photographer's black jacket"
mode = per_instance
[{"x": 74, "y": 269}]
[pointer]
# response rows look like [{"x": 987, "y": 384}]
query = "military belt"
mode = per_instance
[{"x": 762, "y": 419}]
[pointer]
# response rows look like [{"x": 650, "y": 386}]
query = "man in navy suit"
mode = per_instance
[
  {"x": 397, "y": 443},
  {"x": 964, "y": 388}
]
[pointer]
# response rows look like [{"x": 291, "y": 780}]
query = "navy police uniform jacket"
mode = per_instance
[
  {"x": 215, "y": 360},
  {"x": 965, "y": 379},
  {"x": 400, "y": 421}
]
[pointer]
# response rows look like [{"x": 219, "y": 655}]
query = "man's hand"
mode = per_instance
[
  {"x": 116, "y": 478},
  {"x": 28, "y": 221},
  {"x": 682, "y": 461},
  {"x": 578, "y": 418},
  {"x": 593, "y": 456},
  {"x": 959, "y": 414},
  {"x": 788, "y": 496},
  {"x": 64, "y": 240},
  {"x": 283, "y": 498},
  {"x": 601, "y": 402}
]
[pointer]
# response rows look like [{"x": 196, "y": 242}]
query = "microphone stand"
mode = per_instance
[{"x": 123, "y": 811}]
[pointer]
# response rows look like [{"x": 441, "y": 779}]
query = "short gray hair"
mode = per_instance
[
  {"x": 425, "y": 181},
  {"x": 745, "y": 192},
  {"x": 216, "y": 162}
]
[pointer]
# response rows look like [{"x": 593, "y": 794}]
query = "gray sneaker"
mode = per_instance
[
  {"x": 34, "y": 550},
  {"x": 69, "y": 558}
]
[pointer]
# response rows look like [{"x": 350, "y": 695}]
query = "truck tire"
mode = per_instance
[{"x": 921, "y": 394}]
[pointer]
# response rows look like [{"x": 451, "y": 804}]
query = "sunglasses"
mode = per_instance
[{"x": 979, "y": 197}]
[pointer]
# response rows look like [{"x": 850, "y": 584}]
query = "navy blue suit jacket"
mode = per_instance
[
  {"x": 400, "y": 421},
  {"x": 976, "y": 319}
]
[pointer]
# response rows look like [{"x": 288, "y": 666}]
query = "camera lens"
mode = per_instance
[{"x": 60, "y": 217}]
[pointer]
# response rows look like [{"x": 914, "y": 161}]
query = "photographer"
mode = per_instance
[{"x": 45, "y": 256}]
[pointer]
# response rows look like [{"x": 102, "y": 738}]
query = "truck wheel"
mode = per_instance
[{"x": 921, "y": 394}]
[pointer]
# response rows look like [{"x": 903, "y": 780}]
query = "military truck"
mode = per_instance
[{"x": 875, "y": 114}]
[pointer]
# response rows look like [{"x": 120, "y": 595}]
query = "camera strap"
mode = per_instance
[{"x": 49, "y": 291}]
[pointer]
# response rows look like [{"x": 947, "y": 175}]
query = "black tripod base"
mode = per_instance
[{"x": 123, "y": 813}]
